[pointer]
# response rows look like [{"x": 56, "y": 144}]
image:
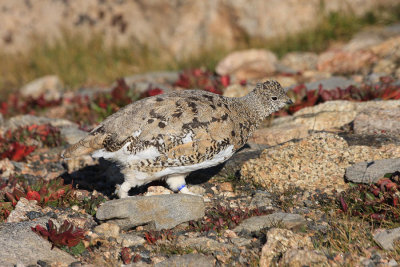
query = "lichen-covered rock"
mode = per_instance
[
  {"x": 318, "y": 161},
  {"x": 279, "y": 241},
  {"x": 247, "y": 64},
  {"x": 108, "y": 230},
  {"x": 300, "y": 61},
  {"x": 304, "y": 257},
  {"x": 330, "y": 115}
]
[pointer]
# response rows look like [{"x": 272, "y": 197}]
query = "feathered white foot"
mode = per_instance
[
  {"x": 185, "y": 190},
  {"x": 177, "y": 183},
  {"x": 122, "y": 190}
]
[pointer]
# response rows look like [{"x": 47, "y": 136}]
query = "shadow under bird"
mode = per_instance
[{"x": 171, "y": 135}]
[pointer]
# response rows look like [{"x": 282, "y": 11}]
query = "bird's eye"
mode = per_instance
[{"x": 274, "y": 98}]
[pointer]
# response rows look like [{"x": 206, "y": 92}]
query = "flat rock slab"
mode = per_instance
[
  {"x": 26, "y": 120},
  {"x": 330, "y": 83},
  {"x": 253, "y": 224},
  {"x": 200, "y": 243},
  {"x": 386, "y": 238},
  {"x": 189, "y": 260},
  {"x": 20, "y": 245},
  {"x": 378, "y": 120},
  {"x": 371, "y": 172},
  {"x": 162, "y": 211}
]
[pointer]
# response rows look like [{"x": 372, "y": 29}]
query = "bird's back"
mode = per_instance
[{"x": 183, "y": 127}]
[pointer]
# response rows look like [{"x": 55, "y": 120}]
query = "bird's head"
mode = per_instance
[{"x": 272, "y": 96}]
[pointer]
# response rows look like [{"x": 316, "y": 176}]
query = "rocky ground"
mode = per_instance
[{"x": 317, "y": 185}]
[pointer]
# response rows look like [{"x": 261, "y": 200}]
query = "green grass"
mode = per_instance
[
  {"x": 79, "y": 62},
  {"x": 332, "y": 28}
]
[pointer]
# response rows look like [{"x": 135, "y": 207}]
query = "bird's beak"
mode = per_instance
[{"x": 289, "y": 102}]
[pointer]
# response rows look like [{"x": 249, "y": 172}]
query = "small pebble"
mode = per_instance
[
  {"x": 33, "y": 215},
  {"x": 108, "y": 230},
  {"x": 75, "y": 207},
  {"x": 52, "y": 214},
  {"x": 392, "y": 263}
]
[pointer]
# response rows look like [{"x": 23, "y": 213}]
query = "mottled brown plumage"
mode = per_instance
[{"x": 170, "y": 135}]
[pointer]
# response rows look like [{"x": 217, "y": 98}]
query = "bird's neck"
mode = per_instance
[
  {"x": 251, "y": 113},
  {"x": 254, "y": 107}
]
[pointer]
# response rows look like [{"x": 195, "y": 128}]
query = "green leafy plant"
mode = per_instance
[{"x": 90, "y": 204}]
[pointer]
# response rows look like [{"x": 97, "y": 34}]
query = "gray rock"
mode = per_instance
[
  {"x": 393, "y": 29},
  {"x": 371, "y": 172},
  {"x": 281, "y": 68},
  {"x": 204, "y": 243},
  {"x": 363, "y": 40},
  {"x": 392, "y": 263},
  {"x": 72, "y": 134},
  {"x": 330, "y": 83},
  {"x": 129, "y": 240},
  {"x": 378, "y": 120},
  {"x": 240, "y": 241},
  {"x": 21, "y": 209},
  {"x": 386, "y": 238},
  {"x": 189, "y": 260},
  {"x": 153, "y": 77},
  {"x": 162, "y": 211},
  {"x": 374, "y": 77},
  {"x": 261, "y": 199},
  {"x": 257, "y": 223},
  {"x": 69, "y": 130},
  {"x": 26, "y": 120},
  {"x": 20, "y": 245}
]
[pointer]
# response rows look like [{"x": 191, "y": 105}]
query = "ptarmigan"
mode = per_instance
[{"x": 168, "y": 136}]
